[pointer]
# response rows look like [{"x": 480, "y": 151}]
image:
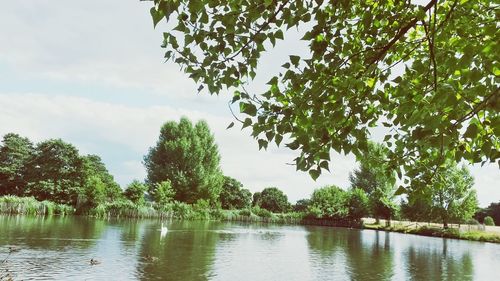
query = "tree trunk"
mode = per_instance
[{"x": 445, "y": 223}]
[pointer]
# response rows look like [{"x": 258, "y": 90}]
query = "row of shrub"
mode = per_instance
[
  {"x": 14, "y": 205},
  {"x": 201, "y": 210}
]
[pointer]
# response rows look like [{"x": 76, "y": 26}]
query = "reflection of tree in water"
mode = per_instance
[
  {"x": 131, "y": 230},
  {"x": 50, "y": 233},
  {"x": 326, "y": 241},
  {"x": 423, "y": 264},
  {"x": 364, "y": 260},
  {"x": 370, "y": 261},
  {"x": 185, "y": 253},
  {"x": 47, "y": 245}
]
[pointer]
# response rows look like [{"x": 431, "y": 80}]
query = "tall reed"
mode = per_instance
[{"x": 13, "y": 205}]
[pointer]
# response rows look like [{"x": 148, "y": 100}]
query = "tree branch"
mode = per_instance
[
  {"x": 252, "y": 38},
  {"x": 399, "y": 35}
]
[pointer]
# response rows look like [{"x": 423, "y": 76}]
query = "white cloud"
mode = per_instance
[
  {"x": 90, "y": 124},
  {"x": 112, "y": 44},
  {"x": 95, "y": 126}
]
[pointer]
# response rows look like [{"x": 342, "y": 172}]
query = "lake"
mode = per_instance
[{"x": 60, "y": 248}]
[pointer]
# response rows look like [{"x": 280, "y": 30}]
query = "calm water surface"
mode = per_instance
[{"x": 61, "y": 248}]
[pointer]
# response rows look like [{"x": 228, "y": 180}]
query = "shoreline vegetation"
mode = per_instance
[
  {"x": 184, "y": 181},
  {"x": 29, "y": 206}
]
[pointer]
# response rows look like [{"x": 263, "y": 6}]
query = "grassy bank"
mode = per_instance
[
  {"x": 13, "y": 205},
  {"x": 433, "y": 231}
]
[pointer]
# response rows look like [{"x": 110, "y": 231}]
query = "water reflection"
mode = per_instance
[
  {"x": 185, "y": 253},
  {"x": 60, "y": 248},
  {"x": 433, "y": 264},
  {"x": 50, "y": 232},
  {"x": 350, "y": 254}
]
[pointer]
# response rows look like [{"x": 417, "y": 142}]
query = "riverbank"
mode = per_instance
[
  {"x": 12, "y": 205},
  {"x": 435, "y": 231}
]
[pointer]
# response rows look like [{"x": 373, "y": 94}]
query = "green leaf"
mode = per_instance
[
  {"x": 279, "y": 34},
  {"x": 262, "y": 144},
  {"x": 248, "y": 108},
  {"x": 246, "y": 123},
  {"x": 314, "y": 174},
  {"x": 295, "y": 60},
  {"x": 471, "y": 132},
  {"x": 157, "y": 15},
  {"x": 230, "y": 125},
  {"x": 278, "y": 138}
]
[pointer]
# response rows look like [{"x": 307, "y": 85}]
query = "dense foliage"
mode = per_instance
[
  {"x": 301, "y": 205},
  {"x": 272, "y": 199},
  {"x": 377, "y": 180},
  {"x": 493, "y": 210},
  {"x": 332, "y": 202},
  {"x": 54, "y": 170},
  {"x": 60, "y": 181},
  {"x": 233, "y": 195},
  {"x": 451, "y": 198},
  {"x": 135, "y": 192},
  {"x": 188, "y": 158},
  {"x": 15, "y": 153},
  {"x": 428, "y": 71},
  {"x": 162, "y": 192},
  {"x": 489, "y": 221}
]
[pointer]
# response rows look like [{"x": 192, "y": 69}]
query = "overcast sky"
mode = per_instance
[{"x": 91, "y": 72}]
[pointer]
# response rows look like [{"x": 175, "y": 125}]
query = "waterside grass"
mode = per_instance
[
  {"x": 13, "y": 205},
  {"x": 434, "y": 231}
]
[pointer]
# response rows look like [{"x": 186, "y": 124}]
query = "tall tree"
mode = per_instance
[
  {"x": 273, "y": 199},
  {"x": 135, "y": 192},
  {"x": 233, "y": 195},
  {"x": 15, "y": 153},
  {"x": 94, "y": 167},
  {"x": 56, "y": 172},
  {"x": 449, "y": 198},
  {"x": 376, "y": 178},
  {"x": 453, "y": 196},
  {"x": 427, "y": 70},
  {"x": 188, "y": 157},
  {"x": 329, "y": 202},
  {"x": 418, "y": 206}
]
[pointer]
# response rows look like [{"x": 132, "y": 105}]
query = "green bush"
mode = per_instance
[
  {"x": 261, "y": 212},
  {"x": 201, "y": 210},
  {"x": 489, "y": 221},
  {"x": 182, "y": 210},
  {"x": 245, "y": 212},
  {"x": 472, "y": 222}
]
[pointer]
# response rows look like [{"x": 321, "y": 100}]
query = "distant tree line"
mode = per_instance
[
  {"x": 54, "y": 170},
  {"x": 489, "y": 215},
  {"x": 184, "y": 166}
]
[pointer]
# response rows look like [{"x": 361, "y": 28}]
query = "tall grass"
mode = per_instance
[
  {"x": 174, "y": 210},
  {"x": 13, "y": 205},
  {"x": 125, "y": 209}
]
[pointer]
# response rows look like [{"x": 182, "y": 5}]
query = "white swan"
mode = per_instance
[{"x": 163, "y": 230}]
